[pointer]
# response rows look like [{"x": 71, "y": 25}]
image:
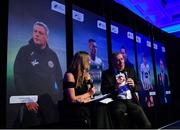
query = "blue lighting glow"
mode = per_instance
[
  {"x": 163, "y": 14},
  {"x": 153, "y": 18},
  {"x": 172, "y": 29},
  {"x": 130, "y": 6}
]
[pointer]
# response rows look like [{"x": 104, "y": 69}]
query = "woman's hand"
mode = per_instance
[
  {"x": 83, "y": 100},
  {"x": 86, "y": 100},
  {"x": 92, "y": 91},
  {"x": 80, "y": 100}
]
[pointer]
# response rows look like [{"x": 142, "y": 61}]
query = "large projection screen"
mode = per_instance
[
  {"x": 36, "y": 65},
  {"x": 89, "y": 34}
]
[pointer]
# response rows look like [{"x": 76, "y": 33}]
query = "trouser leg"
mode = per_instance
[
  {"x": 138, "y": 115},
  {"x": 117, "y": 110}
]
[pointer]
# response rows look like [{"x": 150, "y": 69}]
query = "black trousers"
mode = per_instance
[
  {"x": 119, "y": 107},
  {"x": 89, "y": 115},
  {"x": 76, "y": 115}
]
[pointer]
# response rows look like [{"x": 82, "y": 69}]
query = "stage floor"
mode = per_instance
[{"x": 174, "y": 125}]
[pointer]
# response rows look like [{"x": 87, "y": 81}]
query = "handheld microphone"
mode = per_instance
[
  {"x": 89, "y": 82},
  {"x": 90, "y": 85},
  {"x": 126, "y": 75},
  {"x": 88, "y": 79}
]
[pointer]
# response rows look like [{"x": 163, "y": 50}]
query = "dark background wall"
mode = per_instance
[{"x": 3, "y": 55}]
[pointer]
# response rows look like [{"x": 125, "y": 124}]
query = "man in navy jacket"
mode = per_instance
[{"x": 37, "y": 72}]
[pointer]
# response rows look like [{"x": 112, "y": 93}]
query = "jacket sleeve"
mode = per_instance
[
  {"x": 104, "y": 84},
  {"x": 20, "y": 72},
  {"x": 59, "y": 75},
  {"x": 136, "y": 89},
  {"x": 107, "y": 84},
  {"x": 132, "y": 74}
]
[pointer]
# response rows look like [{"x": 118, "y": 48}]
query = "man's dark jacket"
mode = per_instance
[{"x": 109, "y": 81}]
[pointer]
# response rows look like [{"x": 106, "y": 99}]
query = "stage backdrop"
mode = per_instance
[
  {"x": 88, "y": 26},
  {"x": 22, "y": 15},
  {"x": 163, "y": 83},
  {"x": 123, "y": 38},
  {"x": 146, "y": 71}
]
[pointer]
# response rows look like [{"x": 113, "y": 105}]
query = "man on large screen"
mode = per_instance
[
  {"x": 145, "y": 74},
  {"x": 96, "y": 65},
  {"x": 123, "y": 50},
  {"x": 37, "y": 71},
  {"x": 162, "y": 83}
]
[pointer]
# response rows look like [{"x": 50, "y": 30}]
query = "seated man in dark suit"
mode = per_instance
[{"x": 122, "y": 83}]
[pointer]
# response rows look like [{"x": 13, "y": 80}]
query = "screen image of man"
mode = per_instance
[
  {"x": 162, "y": 83},
  {"x": 123, "y": 51},
  {"x": 37, "y": 71},
  {"x": 96, "y": 65},
  {"x": 146, "y": 81}
]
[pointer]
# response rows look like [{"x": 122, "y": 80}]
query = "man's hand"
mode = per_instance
[
  {"x": 119, "y": 81},
  {"x": 33, "y": 106},
  {"x": 130, "y": 82}
]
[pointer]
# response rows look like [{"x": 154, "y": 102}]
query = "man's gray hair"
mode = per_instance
[{"x": 43, "y": 25}]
